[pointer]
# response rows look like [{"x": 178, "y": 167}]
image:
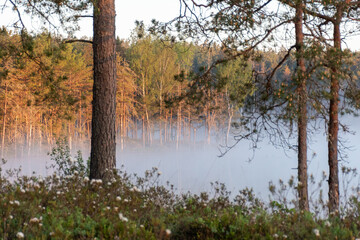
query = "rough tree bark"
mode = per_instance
[
  {"x": 334, "y": 122},
  {"x": 302, "y": 111},
  {"x": 103, "y": 138}
]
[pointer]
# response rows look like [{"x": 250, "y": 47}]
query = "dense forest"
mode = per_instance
[{"x": 47, "y": 95}]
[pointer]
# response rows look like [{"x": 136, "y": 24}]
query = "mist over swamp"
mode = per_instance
[{"x": 193, "y": 166}]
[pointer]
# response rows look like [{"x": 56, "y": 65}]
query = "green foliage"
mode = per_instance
[
  {"x": 65, "y": 164},
  {"x": 236, "y": 77},
  {"x": 132, "y": 207}
]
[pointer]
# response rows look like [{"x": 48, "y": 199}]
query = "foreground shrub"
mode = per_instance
[
  {"x": 73, "y": 207},
  {"x": 67, "y": 205}
]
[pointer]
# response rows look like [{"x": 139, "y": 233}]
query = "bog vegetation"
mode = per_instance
[{"x": 67, "y": 205}]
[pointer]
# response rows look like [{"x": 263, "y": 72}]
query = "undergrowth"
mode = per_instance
[{"x": 67, "y": 205}]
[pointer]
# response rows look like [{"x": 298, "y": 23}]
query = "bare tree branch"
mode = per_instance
[
  {"x": 78, "y": 40},
  {"x": 18, "y": 13}
]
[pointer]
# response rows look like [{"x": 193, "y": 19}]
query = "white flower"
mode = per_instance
[
  {"x": 22, "y": 190},
  {"x": 40, "y": 224},
  {"x": 141, "y": 226},
  {"x": 76, "y": 172},
  {"x": 116, "y": 209},
  {"x": 136, "y": 189},
  {"x": 34, "y": 220},
  {"x": 125, "y": 200},
  {"x": 122, "y": 218},
  {"x": 285, "y": 236},
  {"x": 327, "y": 224},
  {"x": 118, "y": 198},
  {"x": 20, "y": 235},
  {"x": 109, "y": 183},
  {"x": 86, "y": 179},
  {"x": 11, "y": 217},
  {"x": 17, "y": 203},
  {"x": 316, "y": 232},
  {"x": 168, "y": 232},
  {"x": 159, "y": 173},
  {"x": 275, "y": 235},
  {"x": 72, "y": 160},
  {"x": 11, "y": 202}
]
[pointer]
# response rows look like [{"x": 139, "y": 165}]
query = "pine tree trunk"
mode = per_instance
[
  {"x": 302, "y": 111},
  {"x": 103, "y": 138},
  {"x": 334, "y": 124}
]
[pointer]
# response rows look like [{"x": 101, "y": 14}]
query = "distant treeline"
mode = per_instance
[{"x": 46, "y": 89}]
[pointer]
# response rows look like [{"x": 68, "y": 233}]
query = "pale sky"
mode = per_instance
[{"x": 127, "y": 12}]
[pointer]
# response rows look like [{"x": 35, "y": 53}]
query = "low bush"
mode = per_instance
[{"x": 67, "y": 205}]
